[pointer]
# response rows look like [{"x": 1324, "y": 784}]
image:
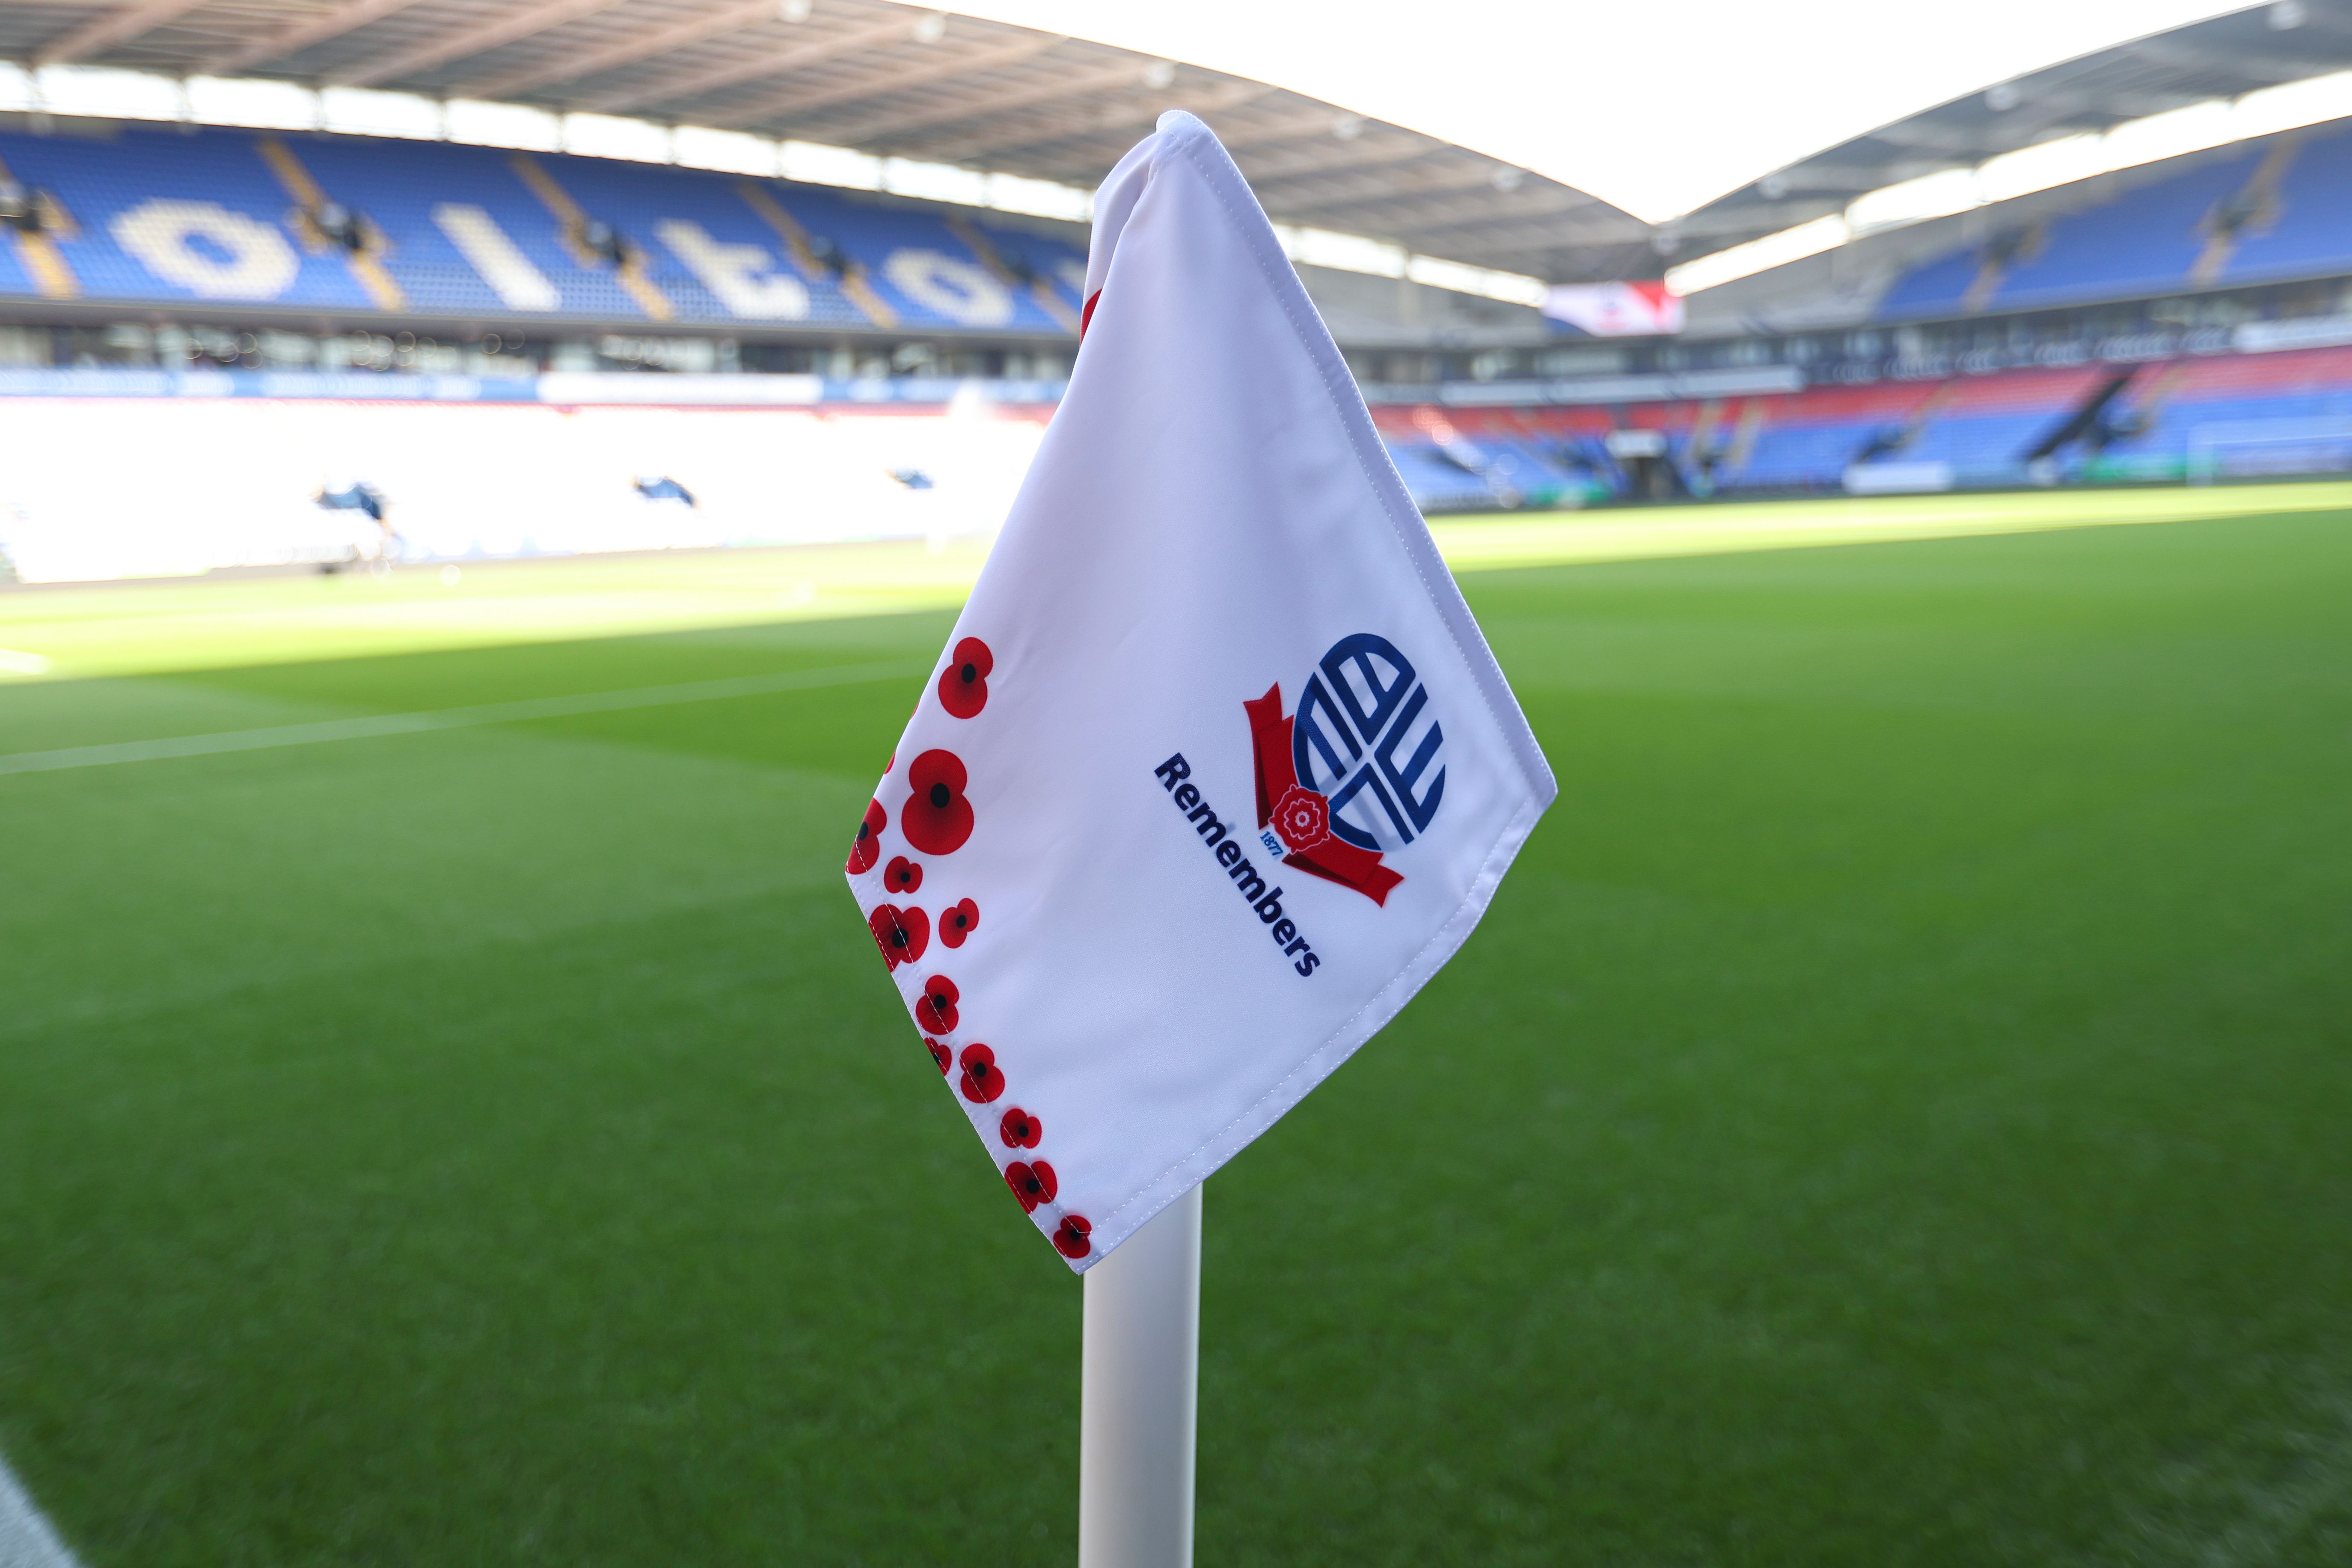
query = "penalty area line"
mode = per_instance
[
  {"x": 27, "y": 1538},
  {"x": 382, "y": 724}
]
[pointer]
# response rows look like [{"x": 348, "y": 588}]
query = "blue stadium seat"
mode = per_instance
[
  {"x": 172, "y": 216},
  {"x": 2147, "y": 240},
  {"x": 13, "y": 278},
  {"x": 2144, "y": 240},
  {"x": 1983, "y": 430},
  {"x": 2312, "y": 230}
]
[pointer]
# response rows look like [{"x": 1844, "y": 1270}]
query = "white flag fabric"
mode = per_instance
[{"x": 1216, "y": 769}]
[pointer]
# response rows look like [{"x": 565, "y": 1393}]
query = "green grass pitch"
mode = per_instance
[{"x": 1898, "y": 1110}]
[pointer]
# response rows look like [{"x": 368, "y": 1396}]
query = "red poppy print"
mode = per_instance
[
  {"x": 868, "y": 847},
  {"x": 958, "y": 922},
  {"x": 1032, "y": 1184},
  {"x": 1303, "y": 818},
  {"x": 902, "y": 875},
  {"x": 963, "y": 684},
  {"x": 1070, "y": 1236},
  {"x": 902, "y": 934},
  {"x": 937, "y": 818},
  {"x": 939, "y": 1054},
  {"x": 1020, "y": 1129},
  {"x": 935, "y": 1009},
  {"x": 983, "y": 1080}
]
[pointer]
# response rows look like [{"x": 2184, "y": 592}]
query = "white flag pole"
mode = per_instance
[{"x": 1138, "y": 1395}]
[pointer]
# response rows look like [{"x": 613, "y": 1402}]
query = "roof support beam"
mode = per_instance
[
  {"x": 1730, "y": 226},
  {"x": 293, "y": 40},
  {"x": 1555, "y": 230},
  {"x": 793, "y": 57},
  {"x": 1447, "y": 183},
  {"x": 468, "y": 41},
  {"x": 1494, "y": 244},
  {"x": 1323, "y": 124},
  {"x": 582, "y": 64},
  {"x": 1264, "y": 134},
  {"x": 1122, "y": 117},
  {"x": 1354, "y": 155},
  {"x": 1127, "y": 73},
  {"x": 798, "y": 105},
  {"x": 1560, "y": 223},
  {"x": 103, "y": 33}
]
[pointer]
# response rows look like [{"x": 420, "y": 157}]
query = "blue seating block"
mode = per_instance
[
  {"x": 2147, "y": 241},
  {"x": 171, "y": 215},
  {"x": 2312, "y": 231},
  {"x": 165, "y": 216}
]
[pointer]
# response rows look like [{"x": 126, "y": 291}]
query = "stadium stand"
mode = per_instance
[
  {"x": 2159, "y": 420},
  {"x": 2312, "y": 232},
  {"x": 2266, "y": 212},
  {"x": 427, "y": 230},
  {"x": 231, "y": 217},
  {"x": 2173, "y": 325}
]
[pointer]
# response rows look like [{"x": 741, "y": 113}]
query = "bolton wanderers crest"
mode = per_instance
[{"x": 1355, "y": 773}]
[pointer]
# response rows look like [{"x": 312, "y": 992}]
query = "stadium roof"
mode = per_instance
[
  {"x": 894, "y": 80},
  {"x": 2265, "y": 46},
  {"x": 875, "y": 76}
]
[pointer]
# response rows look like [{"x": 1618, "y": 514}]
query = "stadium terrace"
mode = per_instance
[{"x": 2184, "y": 317}]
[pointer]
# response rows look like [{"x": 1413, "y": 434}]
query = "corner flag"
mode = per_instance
[{"x": 1216, "y": 770}]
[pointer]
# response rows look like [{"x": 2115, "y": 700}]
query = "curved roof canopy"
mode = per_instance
[
  {"x": 875, "y": 76},
  {"x": 2264, "y": 46}
]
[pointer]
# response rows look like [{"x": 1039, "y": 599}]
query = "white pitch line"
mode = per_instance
[
  {"x": 26, "y": 1540},
  {"x": 380, "y": 724}
]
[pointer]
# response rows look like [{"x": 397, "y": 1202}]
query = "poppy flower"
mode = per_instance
[
  {"x": 867, "y": 848},
  {"x": 937, "y": 818},
  {"x": 983, "y": 1080},
  {"x": 902, "y": 875},
  {"x": 1032, "y": 1184},
  {"x": 939, "y": 1054},
  {"x": 1070, "y": 1236},
  {"x": 1020, "y": 1129},
  {"x": 963, "y": 684},
  {"x": 1303, "y": 818},
  {"x": 958, "y": 922},
  {"x": 935, "y": 1009},
  {"x": 902, "y": 934}
]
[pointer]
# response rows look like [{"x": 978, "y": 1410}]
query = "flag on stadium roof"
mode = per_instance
[{"x": 1216, "y": 769}]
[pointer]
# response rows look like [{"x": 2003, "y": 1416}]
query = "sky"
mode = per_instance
[{"x": 1656, "y": 106}]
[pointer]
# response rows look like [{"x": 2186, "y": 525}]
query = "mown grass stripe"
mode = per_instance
[{"x": 382, "y": 724}]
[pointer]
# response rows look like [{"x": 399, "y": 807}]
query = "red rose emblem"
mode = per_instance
[
  {"x": 867, "y": 848},
  {"x": 983, "y": 1080},
  {"x": 963, "y": 684},
  {"x": 902, "y": 934},
  {"x": 958, "y": 922},
  {"x": 939, "y": 1054},
  {"x": 1020, "y": 1129},
  {"x": 1033, "y": 1184},
  {"x": 935, "y": 1009},
  {"x": 937, "y": 818},
  {"x": 1070, "y": 1236},
  {"x": 1302, "y": 818},
  {"x": 902, "y": 875}
]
